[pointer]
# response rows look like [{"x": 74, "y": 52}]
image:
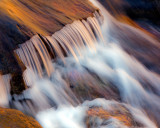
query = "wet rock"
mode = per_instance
[
  {"x": 98, "y": 116},
  {"x": 88, "y": 86},
  {"x": 17, "y": 83},
  {"x": 9, "y": 38},
  {"x": 144, "y": 9},
  {"x": 145, "y": 13},
  {"x": 10, "y": 118},
  {"x": 45, "y": 17}
]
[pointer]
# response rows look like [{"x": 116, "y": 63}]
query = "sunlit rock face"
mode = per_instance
[
  {"x": 46, "y": 17},
  {"x": 11, "y": 118}
]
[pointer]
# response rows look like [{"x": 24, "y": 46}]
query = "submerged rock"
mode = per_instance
[{"x": 118, "y": 117}]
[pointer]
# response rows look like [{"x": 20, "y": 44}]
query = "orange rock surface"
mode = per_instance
[
  {"x": 121, "y": 115},
  {"x": 46, "y": 17},
  {"x": 10, "y": 118}
]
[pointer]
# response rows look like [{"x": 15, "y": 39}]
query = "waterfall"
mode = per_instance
[
  {"x": 4, "y": 90},
  {"x": 33, "y": 54},
  {"x": 84, "y": 66},
  {"x": 68, "y": 40}
]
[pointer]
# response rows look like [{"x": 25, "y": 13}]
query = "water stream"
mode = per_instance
[{"x": 83, "y": 66}]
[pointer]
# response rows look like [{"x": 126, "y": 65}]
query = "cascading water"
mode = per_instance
[
  {"x": 4, "y": 90},
  {"x": 89, "y": 69}
]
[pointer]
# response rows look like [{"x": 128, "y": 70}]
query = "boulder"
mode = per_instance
[{"x": 10, "y": 118}]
